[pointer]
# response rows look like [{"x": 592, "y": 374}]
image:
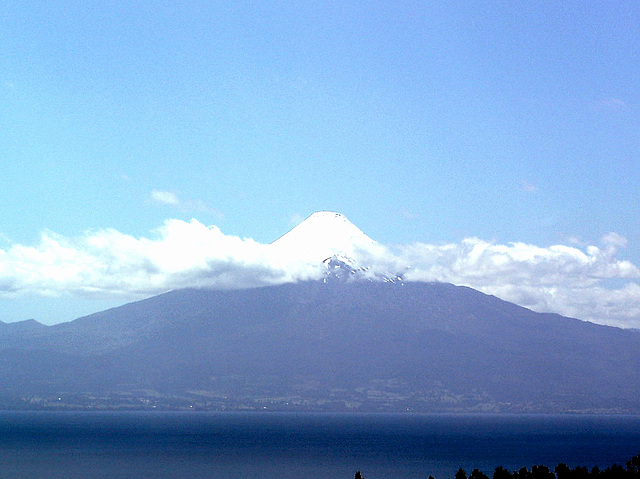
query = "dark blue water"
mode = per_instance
[{"x": 269, "y": 445}]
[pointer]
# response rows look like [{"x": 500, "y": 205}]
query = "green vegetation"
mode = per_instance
[{"x": 561, "y": 471}]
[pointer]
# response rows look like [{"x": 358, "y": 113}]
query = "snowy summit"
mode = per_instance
[
  {"x": 329, "y": 239},
  {"x": 323, "y": 235}
]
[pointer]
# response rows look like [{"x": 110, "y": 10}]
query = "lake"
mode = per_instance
[{"x": 197, "y": 445}]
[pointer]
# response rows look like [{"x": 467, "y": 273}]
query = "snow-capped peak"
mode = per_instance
[
  {"x": 336, "y": 246},
  {"x": 323, "y": 235}
]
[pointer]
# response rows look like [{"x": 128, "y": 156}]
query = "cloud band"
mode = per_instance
[{"x": 588, "y": 284}]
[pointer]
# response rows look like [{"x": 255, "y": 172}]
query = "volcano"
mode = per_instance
[{"x": 357, "y": 339}]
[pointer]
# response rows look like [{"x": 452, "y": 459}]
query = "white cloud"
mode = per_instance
[
  {"x": 614, "y": 240},
  {"x": 107, "y": 262},
  {"x": 558, "y": 278},
  {"x": 588, "y": 283},
  {"x": 611, "y": 104},
  {"x": 165, "y": 197},
  {"x": 171, "y": 199}
]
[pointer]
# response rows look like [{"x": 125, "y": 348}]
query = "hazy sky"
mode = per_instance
[{"x": 494, "y": 144}]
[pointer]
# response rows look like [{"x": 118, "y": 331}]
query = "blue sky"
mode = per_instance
[{"x": 422, "y": 122}]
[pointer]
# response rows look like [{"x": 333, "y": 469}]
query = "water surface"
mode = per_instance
[{"x": 196, "y": 445}]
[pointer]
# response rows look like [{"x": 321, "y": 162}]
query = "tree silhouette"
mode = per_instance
[
  {"x": 524, "y": 473},
  {"x": 478, "y": 474},
  {"x": 633, "y": 466},
  {"x": 501, "y": 473},
  {"x": 542, "y": 472},
  {"x": 562, "y": 471},
  {"x": 461, "y": 474}
]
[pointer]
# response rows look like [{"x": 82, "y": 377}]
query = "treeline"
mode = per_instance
[{"x": 561, "y": 471}]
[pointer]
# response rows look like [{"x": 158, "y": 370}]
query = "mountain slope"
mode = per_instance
[{"x": 357, "y": 345}]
